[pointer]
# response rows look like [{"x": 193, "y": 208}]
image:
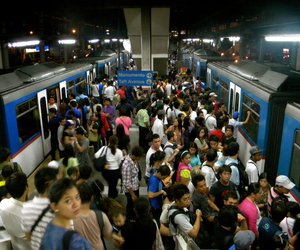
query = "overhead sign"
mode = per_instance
[{"x": 135, "y": 78}]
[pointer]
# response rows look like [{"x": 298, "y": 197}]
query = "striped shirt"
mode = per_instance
[{"x": 30, "y": 213}]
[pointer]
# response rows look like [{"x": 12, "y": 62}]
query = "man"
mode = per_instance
[
  {"x": 280, "y": 191},
  {"x": 53, "y": 125},
  {"x": 222, "y": 186},
  {"x": 11, "y": 210},
  {"x": 181, "y": 220},
  {"x": 208, "y": 168},
  {"x": 235, "y": 123},
  {"x": 171, "y": 149},
  {"x": 5, "y": 160},
  {"x": 155, "y": 146},
  {"x": 130, "y": 178},
  {"x": 251, "y": 167},
  {"x": 143, "y": 121},
  {"x": 155, "y": 190},
  {"x": 39, "y": 204}
]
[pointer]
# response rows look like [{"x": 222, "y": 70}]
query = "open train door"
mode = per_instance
[
  {"x": 43, "y": 112},
  {"x": 63, "y": 90},
  {"x": 234, "y": 98}
]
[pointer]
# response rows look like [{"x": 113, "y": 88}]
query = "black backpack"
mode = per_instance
[
  {"x": 244, "y": 179},
  {"x": 191, "y": 215}
]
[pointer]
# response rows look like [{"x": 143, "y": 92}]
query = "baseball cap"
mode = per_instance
[
  {"x": 213, "y": 94},
  {"x": 53, "y": 164},
  {"x": 243, "y": 239},
  {"x": 284, "y": 181},
  {"x": 235, "y": 115},
  {"x": 254, "y": 150}
]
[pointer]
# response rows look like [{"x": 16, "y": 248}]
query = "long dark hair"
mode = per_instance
[
  {"x": 113, "y": 143},
  {"x": 120, "y": 131}
]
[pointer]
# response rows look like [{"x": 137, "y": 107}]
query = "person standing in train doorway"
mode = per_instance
[
  {"x": 235, "y": 123},
  {"x": 53, "y": 127},
  {"x": 251, "y": 167}
]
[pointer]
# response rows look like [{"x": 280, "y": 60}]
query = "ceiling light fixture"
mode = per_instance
[{"x": 283, "y": 38}]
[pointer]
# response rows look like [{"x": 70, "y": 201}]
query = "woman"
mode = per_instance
[
  {"x": 124, "y": 120},
  {"x": 195, "y": 159},
  {"x": 201, "y": 141},
  {"x": 87, "y": 223},
  {"x": 111, "y": 172},
  {"x": 179, "y": 131},
  {"x": 65, "y": 203},
  {"x": 184, "y": 164},
  {"x": 123, "y": 139},
  {"x": 249, "y": 208},
  {"x": 265, "y": 187},
  {"x": 81, "y": 147}
]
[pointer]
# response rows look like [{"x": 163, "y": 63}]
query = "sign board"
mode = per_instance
[{"x": 135, "y": 78}]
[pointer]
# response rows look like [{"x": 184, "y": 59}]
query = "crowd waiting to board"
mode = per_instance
[{"x": 195, "y": 182}]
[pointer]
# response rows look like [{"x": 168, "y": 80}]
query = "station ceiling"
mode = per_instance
[{"x": 198, "y": 17}]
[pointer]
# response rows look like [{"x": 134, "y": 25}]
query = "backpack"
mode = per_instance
[
  {"x": 67, "y": 238},
  {"x": 244, "y": 179},
  {"x": 99, "y": 215},
  {"x": 191, "y": 215}
]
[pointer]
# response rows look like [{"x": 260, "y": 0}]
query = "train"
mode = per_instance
[
  {"x": 265, "y": 90},
  {"x": 289, "y": 155},
  {"x": 24, "y": 97}
]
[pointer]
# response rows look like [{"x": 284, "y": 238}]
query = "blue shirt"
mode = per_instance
[
  {"x": 53, "y": 239},
  {"x": 155, "y": 185}
]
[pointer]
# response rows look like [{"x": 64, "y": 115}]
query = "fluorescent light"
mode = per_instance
[
  {"x": 24, "y": 43},
  {"x": 94, "y": 41},
  {"x": 67, "y": 41},
  {"x": 283, "y": 38}
]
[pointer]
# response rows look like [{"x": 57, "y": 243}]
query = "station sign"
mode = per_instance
[{"x": 135, "y": 78}]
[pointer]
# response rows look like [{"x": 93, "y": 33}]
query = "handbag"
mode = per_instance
[
  {"x": 93, "y": 137},
  {"x": 159, "y": 245},
  {"x": 100, "y": 162}
]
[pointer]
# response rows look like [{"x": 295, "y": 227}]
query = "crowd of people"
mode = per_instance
[{"x": 196, "y": 184}]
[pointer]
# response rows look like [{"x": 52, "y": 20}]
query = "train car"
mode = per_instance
[
  {"x": 198, "y": 59},
  {"x": 265, "y": 92},
  {"x": 24, "y": 97},
  {"x": 108, "y": 62},
  {"x": 289, "y": 156}
]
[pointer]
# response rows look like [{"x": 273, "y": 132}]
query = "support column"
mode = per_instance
[{"x": 148, "y": 31}]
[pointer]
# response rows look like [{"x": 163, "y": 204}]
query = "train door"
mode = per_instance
[
  {"x": 234, "y": 98},
  {"x": 63, "y": 93},
  {"x": 43, "y": 112},
  {"x": 208, "y": 78}
]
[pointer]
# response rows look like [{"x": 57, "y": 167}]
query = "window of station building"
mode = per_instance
[
  {"x": 295, "y": 160},
  {"x": 28, "y": 120},
  {"x": 252, "y": 126}
]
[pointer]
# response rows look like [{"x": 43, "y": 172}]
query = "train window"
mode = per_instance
[
  {"x": 237, "y": 98},
  {"x": 295, "y": 160},
  {"x": 252, "y": 126},
  {"x": 28, "y": 120},
  {"x": 223, "y": 92},
  {"x": 70, "y": 87},
  {"x": 80, "y": 85},
  {"x": 231, "y": 101}
]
